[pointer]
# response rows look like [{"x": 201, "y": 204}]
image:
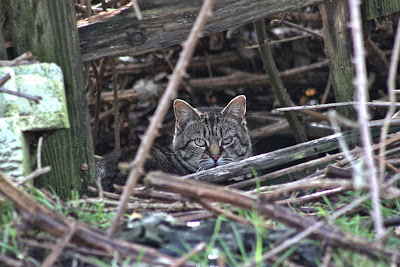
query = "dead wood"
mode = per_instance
[
  {"x": 276, "y": 82},
  {"x": 155, "y": 66},
  {"x": 39, "y": 216},
  {"x": 8, "y": 261},
  {"x": 335, "y": 171},
  {"x": 198, "y": 248},
  {"x": 5, "y": 79},
  {"x": 232, "y": 81},
  {"x": 269, "y": 130},
  {"x": 188, "y": 216},
  {"x": 319, "y": 182},
  {"x": 311, "y": 197},
  {"x": 243, "y": 79},
  {"x": 57, "y": 250},
  {"x": 167, "y": 23},
  {"x": 197, "y": 190},
  {"x": 25, "y": 58},
  {"x": 302, "y": 167},
  {"x": 279, "y": 157}
]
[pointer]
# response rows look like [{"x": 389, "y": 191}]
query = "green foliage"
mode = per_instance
[
  {"x": 97, "y": 215},
  {"x": 359, "y": 224},
  {"x": 7, "y": 230}
]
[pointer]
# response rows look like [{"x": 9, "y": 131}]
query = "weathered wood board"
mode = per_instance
[
  {"x": 167, "y": 23},
  {"x": 282, "y": 156},
  {"x": 373, "y": 9}
]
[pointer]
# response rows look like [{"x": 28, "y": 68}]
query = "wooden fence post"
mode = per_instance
[
  {"x": 48, "y": 29},
  {"x": 338, "y": 46}
]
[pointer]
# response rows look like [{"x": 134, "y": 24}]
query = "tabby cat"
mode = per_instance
[{"x": 204, "y": 138}]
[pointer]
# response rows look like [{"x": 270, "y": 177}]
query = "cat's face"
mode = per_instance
[{"x": 211, "y": 137}]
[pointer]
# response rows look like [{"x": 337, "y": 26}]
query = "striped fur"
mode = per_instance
[{"x": 208, "y": 137}]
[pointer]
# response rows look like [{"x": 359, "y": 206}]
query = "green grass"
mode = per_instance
[
  {"x": 8, "y": 232},
  {"x": 359, "y": 224}
]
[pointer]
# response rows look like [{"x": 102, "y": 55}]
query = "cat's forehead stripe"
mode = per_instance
[{"x": 212, "y": 121}]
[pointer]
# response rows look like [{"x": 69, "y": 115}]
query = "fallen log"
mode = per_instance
[
  {"x": 205, "y": 192},
  {"x": 284, "y": 155},
  {"x": 43, "y": 218}
]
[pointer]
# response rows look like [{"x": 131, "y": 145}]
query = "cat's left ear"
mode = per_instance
[
  {"x": 184, "y": 113},
  {"x": 236, "y": 108}
]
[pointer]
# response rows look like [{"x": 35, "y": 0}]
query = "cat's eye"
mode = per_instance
[
  {"x": 227, "y": 141},
  {"x": 200, "y": 142}
]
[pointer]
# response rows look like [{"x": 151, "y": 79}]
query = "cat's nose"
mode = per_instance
[
  {"x": 214, "y": 151},
  {"x": 215, "y": 157}
]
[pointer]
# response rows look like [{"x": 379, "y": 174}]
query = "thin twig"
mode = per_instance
[
  {"x": 206, "y": 203},
  {"x": 310, "y": 197},
  {"x": 88, "y": 8},
  {"x": 98, "y": 99},
  {"x": 327, "y": 88},
  {"x": 294, "y": 38},
  {"x": 318, "y": 225},
  {"x": 327, "y": 257},
  {"x": 28, "y": 56},
  {"x": 390, "y": 141},
  {"x": 391, "y": 85},
  {"x": 198, "y": 248},
  {"x": 361, "y": 83},
  {"x": 116, "y": 107},
  {"x": 34, "y": 174},
  {"x": 136, "y": 8},
  {"x": 39, "y": 169},
  {"x": 5, "y": 79},
  {"x": 291, "y": 24},
  {"x": 104, "y": 5},
  {"x": 164, "y": 104},
  {"x": 333, "y": 105},
  {"x": 55, "y": 253},
  {"x": 289, "y": 242},
  {"x": 276, "y": 82},
  {"x": 308, "y": 184},
  {"x": 270, "y": 210},
  {"x": 39, "y": 153},
  {"x": 387, "y": 164},
  {"x": 289, "y": 170},
  {"x": 98, "y": 74},
  {"x": 8, "y": 261},
  {"x": 333, "y": 118},
  {"x": 54, "y": 223}
]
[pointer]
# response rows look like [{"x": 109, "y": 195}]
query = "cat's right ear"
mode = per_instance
[{"x": 184, "y": 113}]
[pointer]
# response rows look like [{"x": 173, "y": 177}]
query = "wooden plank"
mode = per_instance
[
  {"x": 285, "y": 155},
  {"x": 373, "y": 9},
  {"x": 167, "y": 23},
  {"x": 339, "y": 50}
]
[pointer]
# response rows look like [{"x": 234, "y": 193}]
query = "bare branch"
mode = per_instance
[
  {"x": 361, "y": 83},
  {"x": 333, "y": 105},
  {"x": 391, "y": 85}
]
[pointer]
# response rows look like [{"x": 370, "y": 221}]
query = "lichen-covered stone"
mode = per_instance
[
  {"x": 11, "y": 149},
  {"x": 18, "y": 114}
]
